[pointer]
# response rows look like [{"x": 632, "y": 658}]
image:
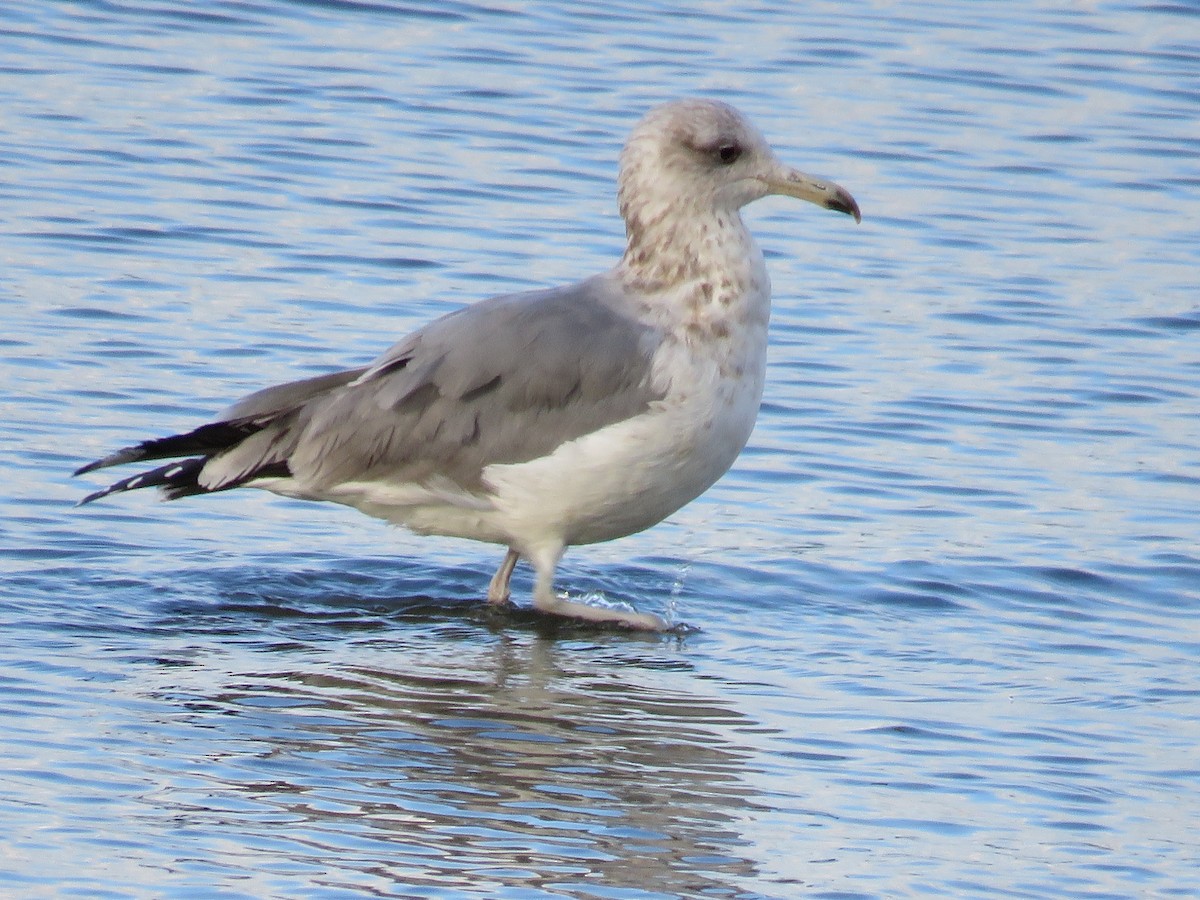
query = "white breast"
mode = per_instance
[{"x": 630, "y": 475}]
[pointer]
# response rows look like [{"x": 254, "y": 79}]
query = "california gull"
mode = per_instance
[{"x": 548, "y": 418}]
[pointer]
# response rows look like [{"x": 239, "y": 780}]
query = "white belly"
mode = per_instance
[{"x": 633, "y": 474}]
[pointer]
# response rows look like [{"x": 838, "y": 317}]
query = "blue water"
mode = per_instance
[{"x": 948, "y": 601}]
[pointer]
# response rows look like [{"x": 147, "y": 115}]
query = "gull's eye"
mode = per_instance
[{"x": 728, "y": 153}]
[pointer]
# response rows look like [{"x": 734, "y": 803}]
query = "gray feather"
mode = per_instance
[
  {"x": 505, "y": 380},
  {"x": 284, "y": 397}
]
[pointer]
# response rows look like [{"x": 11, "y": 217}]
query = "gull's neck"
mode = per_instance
[{"x": 704, "y": 258}]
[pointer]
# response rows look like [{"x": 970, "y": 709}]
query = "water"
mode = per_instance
[{"x": 948, "y": 601}]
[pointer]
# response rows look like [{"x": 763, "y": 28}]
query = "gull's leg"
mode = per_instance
[
  {"x": 498, "y": 587},
  {"x": 547, "y": 601}
]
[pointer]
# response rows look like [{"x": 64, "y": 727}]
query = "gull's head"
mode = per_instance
[{"x": 703, "y": 156}]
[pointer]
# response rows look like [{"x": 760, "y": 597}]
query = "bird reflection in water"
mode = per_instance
[{"x": 500, "y": 759}]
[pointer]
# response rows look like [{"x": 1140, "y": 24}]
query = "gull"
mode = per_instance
[{"x": 549, "y": 418}]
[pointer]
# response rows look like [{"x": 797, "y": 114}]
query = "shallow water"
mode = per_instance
[{"x": 948, "y": 601}]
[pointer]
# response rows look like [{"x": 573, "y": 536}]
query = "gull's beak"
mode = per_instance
[{"x": 791, "y": 183}]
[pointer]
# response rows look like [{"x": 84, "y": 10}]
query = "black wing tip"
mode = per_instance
[
  {"x": 97, "y": 495},
  {"x": 205, "y": 440},
  {"x": 177, "y": 479},
  {"x": 91, "y": 498},
  {"x": 120, "y": 457},
  {"x": 125, "y": 484}
]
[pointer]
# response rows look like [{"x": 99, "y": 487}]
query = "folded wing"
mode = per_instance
[{"x": 503, "y": 381}]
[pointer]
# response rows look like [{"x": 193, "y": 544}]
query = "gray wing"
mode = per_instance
[
  {"x": 282, "y": 397},
  {"x": 503, "y": 381}
]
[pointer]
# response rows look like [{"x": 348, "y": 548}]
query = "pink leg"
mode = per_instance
[{"x": 498, "y": 588}]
